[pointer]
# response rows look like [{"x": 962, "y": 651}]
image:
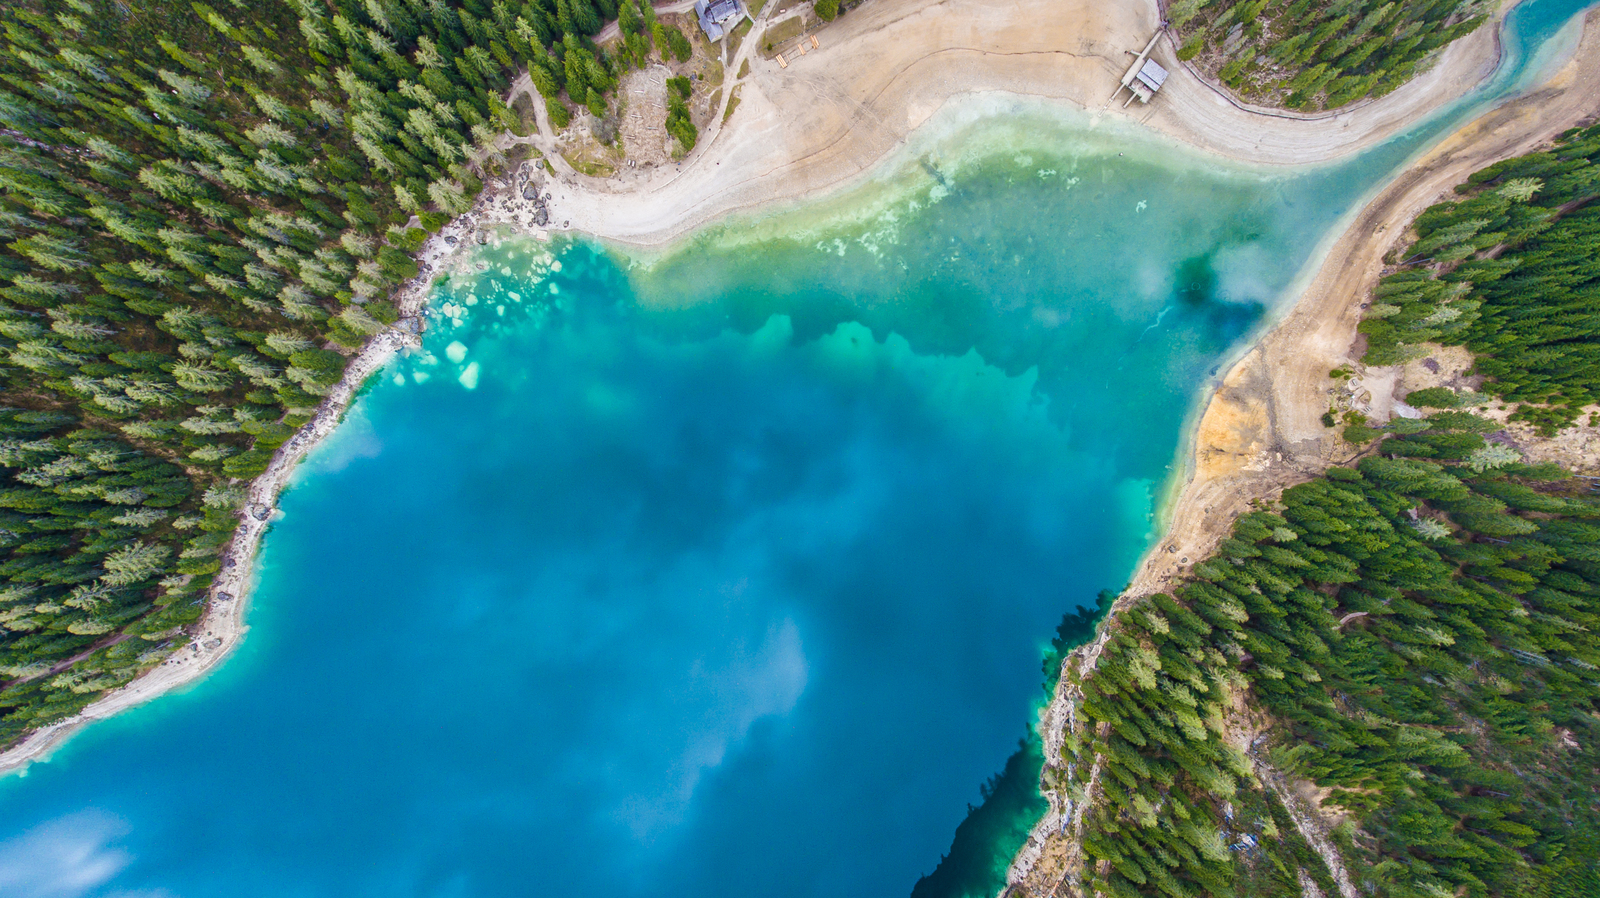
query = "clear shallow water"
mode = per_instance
[{"x": 725, "y": 574}]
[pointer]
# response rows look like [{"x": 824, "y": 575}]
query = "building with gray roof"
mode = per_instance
[{"x": 717, "y": 16}]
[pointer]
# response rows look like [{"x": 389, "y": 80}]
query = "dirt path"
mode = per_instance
[
  {"x": 1261, "y": 430},
  {"x": 886, "y": 68},
  {"x": 612, "y": 29},
  {"x": 747, "y": 47}
]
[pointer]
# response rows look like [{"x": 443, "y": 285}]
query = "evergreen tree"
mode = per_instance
[{"x": 200, "y": 210}]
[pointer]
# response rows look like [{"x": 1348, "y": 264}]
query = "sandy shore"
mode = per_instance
[
  {"x": 223, "y": 627},
  {"x": 1261, "y": 431},
  {"x": 819, "y": 125},
  {"x": 885, "y": 69}
]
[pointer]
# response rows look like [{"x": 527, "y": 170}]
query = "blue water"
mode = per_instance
[{"x": 722, "y": 573}]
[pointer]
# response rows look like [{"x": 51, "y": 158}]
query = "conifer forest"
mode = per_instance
[
  {"x": 1512, "y": 272},
  {"x": 1413, "y": 636},
  {"x": 1311, "y": 54},
  {"x": 206, "y": 208},
  {"x": 203, "y": 211}
]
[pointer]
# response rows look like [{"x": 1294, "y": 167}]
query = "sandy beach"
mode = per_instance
[
  {"x": 886, "y": 68},
  {"x": 1261, "y": 430},
  {"x": 832, "y": 115},
  {"x": 223, "y": 627}
]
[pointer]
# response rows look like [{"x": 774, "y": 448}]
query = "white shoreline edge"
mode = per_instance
[{"x": 222, "y": 628}]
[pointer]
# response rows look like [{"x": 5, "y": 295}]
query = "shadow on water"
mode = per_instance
[
  {"x": 994, "y": 831},
  {"x": 997, "y": 827},
  {"x": 689, "y": 584},
  {"x": 1196, "y": 280}
]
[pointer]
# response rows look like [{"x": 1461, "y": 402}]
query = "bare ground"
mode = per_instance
[
  {"x": 643, "y": 113},
  {"x": 1575, "y": 448},
  {"x": 823, "y": 121}
]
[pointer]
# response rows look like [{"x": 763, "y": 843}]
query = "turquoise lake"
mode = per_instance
[{"x": 725, "y": 572}]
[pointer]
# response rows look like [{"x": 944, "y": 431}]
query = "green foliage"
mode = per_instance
[
  {"x": 1434, "y": 397},
  {"x": 1422, "y": 639},
  {"x": 1360, "y": 433},
  {"x": 1546, "y": 420},
  {"x": 677, "y": 43},
  {"x": 1357, "y": 431},
  {"x": 409, "y": 240},
  {"x": 198, "y": 205},
  {"x": 681, "y": 85},
  {"x": 827, "y": 10},
  {"x": 1508, "y": 271},
  {"x": 560, "y": 115},
  {"x": 1318, "y": 55},
  {"x": 638, "y": 35},
  {"x": 396, "y": 264},
  {"x": 679, "y": 124},
  {"x": 1192, "y": 47}
]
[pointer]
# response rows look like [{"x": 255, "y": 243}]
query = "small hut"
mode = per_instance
[{"x": 1149, "y": 80}]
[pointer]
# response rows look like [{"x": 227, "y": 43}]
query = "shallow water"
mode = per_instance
[{"x": 727, "y": 572}]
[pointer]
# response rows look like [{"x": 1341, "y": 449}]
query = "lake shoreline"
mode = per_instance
[
  {"x": 223, "y": 626},
  {"x": 829, "y": 121},
  {"x": 881, "y": 52},
  {"x": 1261, "y": 432}
]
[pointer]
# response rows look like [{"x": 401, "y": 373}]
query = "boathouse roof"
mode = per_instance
[{"x": 1152, "y": 74}]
